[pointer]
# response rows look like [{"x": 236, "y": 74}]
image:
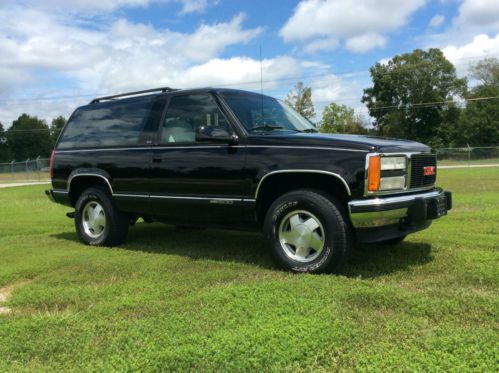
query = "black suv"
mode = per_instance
[{"x": 241, "y": 160}]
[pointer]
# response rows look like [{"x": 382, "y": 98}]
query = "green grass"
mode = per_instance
[{"x": 212, "y": 301}]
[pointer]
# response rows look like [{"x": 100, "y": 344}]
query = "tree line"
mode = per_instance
[
  {"x": 29, "y": 137},
  {"x": 416, "y": 96}
]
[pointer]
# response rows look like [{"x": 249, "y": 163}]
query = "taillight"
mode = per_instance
[
  {"x": 52, "y": 164},
  {"x": 374, "y": 174}
]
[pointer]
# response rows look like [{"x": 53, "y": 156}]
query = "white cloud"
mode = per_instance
[
  {"x": 46, "y": 54},
  {"x": 91, "y": 6},
  {"x": 365, "y": 42},
  {"x": 106, "y": 6},
  {"x": 51, "y": 44},
  {"x": 326, "y": 44},
  {"x": 463, "y": 55},
  {"x": 437, "y": 20},
  {"x": 479, "y": 13},
  {"x": 472, "y": 35},
  {"x": 347, "y": 19},
  {"x": 195, "y": 6}
]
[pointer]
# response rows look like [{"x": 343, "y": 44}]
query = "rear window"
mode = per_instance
[{"x": 118, "y": 123}]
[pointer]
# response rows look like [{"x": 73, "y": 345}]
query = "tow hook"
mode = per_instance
[{"x": 70, "y": 215}]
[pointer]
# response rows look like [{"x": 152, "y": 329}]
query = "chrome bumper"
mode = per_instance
[{"x": 378, "y": 212}]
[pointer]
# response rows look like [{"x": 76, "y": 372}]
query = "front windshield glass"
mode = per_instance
[{"x": 263, "y": 114}]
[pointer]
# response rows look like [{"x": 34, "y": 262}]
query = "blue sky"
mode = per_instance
[{"x": 56, "y": 55}]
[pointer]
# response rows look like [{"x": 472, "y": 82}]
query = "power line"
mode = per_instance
[
  {"x": 30, "y": 130},
  {"x": 421, "y": 105},
  {"x": 426, "y": 105}
]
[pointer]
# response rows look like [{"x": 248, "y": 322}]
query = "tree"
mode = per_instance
[
  {"x": 4, "y": 147},
  {"x": 479, "y": 121},
  {"x": 340, "y": 119},
  {"x": 29, "y": 137},
  {"x": 56, "y": 128},
  {"x": 486, "y": 71},
  {"x": 300, "y": 99},
  {"x": 407, "y": 95}
]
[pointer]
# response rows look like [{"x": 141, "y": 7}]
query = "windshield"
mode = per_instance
[{"x": 262, "y": 114}]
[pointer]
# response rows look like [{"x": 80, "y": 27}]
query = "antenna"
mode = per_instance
[
  {"x": 261, "y": 84},
  {"x": 261, "y": 71}
]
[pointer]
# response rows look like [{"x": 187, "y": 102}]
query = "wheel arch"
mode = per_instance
[
  {"x": 276, "y": 183},
  {"x": 79, "y": 180}
]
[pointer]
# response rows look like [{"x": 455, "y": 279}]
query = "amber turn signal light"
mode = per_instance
[{"x": 374, "y": 174}]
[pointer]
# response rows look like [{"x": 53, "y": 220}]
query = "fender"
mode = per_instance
[
  {"x": 96, "y": 172},
  {"x": 347, "y": 188}
]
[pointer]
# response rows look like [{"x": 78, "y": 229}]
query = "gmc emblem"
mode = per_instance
[{"x": 429, "y": 170}]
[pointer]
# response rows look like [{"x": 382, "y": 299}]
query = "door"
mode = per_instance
[{"x": 197, "y": 182}]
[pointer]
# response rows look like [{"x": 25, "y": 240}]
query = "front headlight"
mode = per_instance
[
  {"x": 386, "y": 173},
  {"x": 393, "y": 163}
]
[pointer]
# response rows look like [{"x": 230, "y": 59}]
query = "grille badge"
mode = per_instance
[{"x": 429, "y": 170}]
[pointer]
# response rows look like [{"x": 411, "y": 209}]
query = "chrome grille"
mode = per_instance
[{"x": 418, "y": 178}]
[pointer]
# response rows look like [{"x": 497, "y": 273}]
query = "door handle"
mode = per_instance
[{"x": 156, "y": 159}]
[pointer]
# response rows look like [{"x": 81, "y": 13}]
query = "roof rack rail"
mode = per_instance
[{"x": 162, "y": 89}]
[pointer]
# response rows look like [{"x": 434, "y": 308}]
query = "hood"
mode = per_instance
[{"x": 360, "y": 142}]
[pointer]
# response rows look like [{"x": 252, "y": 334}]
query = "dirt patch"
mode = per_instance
[{"x": 5, "y": 294}]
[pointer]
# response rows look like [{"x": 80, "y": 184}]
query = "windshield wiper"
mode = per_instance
[
  {"x": 309, "y": 130},
  {"x": 268, "y": 127}
]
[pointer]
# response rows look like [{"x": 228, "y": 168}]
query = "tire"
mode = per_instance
[
  {"x": 108, "y": 228},
  {"x": 392, "y": 241},
  {"x": 299, "y": 244}
]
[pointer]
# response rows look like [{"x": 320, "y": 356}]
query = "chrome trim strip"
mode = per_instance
[
  {"x": 59, "y": 191},
  {"x": 196, "y": 198},
  {"x": 130, "y": 195},
  {"x": 210, "y": 147},
  {"x": 185, "y": 197},
  {"x": 89, "y": 174},
  {"x": 388, "y": 200},
  {"x": 302, "y": 171},
  {"x": 307, "y": 147},
  {"x": 144, "y": 148}
]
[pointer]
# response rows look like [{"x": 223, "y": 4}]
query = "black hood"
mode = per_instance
[{"x": 360, "y": 142}]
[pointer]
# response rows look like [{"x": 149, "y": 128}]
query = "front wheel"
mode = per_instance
[
  {"x": 308, "y": 232},
  {"x": 97, "y": 221}
]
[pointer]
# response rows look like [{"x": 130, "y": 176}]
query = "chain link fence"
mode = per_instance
[
  {"x": 30, "y": 170},
  {"x": 468, "y": 156}
]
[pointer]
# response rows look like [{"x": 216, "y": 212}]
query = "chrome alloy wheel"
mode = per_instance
[
  {"x": 301, "y": 236},
  {"x": 94, "y": 219}
]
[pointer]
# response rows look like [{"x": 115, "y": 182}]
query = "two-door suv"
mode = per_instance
[{"x": 235, "y": 159}]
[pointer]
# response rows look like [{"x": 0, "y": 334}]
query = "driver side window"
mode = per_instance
[{"x": 185, "y": 114}]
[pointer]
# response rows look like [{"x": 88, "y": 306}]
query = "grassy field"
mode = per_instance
[{"x": 211, "y": 300}]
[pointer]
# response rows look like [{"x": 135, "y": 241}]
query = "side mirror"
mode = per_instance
[{"x": 215, "y": 134}]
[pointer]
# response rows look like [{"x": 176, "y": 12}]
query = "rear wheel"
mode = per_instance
[
  {"x": 308, "y": 232},
  {"x": 97, "y": 221}
]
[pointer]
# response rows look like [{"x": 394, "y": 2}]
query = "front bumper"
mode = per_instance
[{"x": 379, "y": 219}]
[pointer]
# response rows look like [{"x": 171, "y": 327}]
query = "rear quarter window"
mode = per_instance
[{"x": 118, "y": 123}]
